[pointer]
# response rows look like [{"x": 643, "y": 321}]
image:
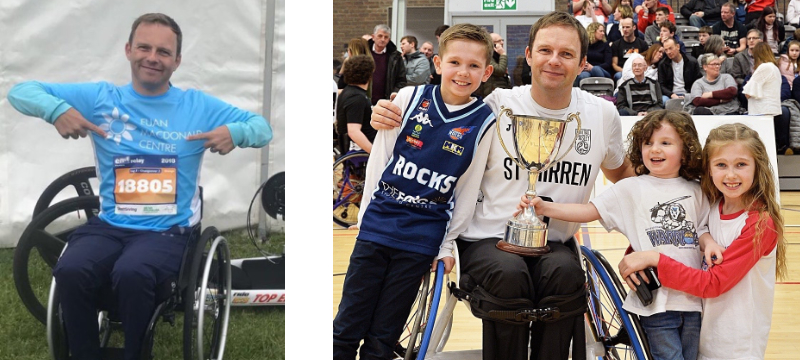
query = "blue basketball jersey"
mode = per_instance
[{"x": 412, "y": 204}]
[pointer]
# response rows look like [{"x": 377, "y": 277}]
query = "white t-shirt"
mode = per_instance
[
  {"x": 679, "y": 85},
  {"x": 666, "y": 215},
  {"x": 568, "y": 181}
]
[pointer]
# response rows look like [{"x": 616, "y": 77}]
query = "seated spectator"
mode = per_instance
[
  {"x": 789, "y": 38},
  {"x": 613, "y": 32},
  {"x": 623, "y": 48},
  {"x": 639, "y": 4},
  {"x": 763, "y": 92},
  {"x": 740, "y": 11},
  {"x": 588, "y": 15},
  {"x": 677, "y": 72},
  {"x": 790, "y": 62},
  {"x": 418, "y": 70},
  {"x": 601, "y": 9},
  {"x": 614, "y": 17},
  {"x": 647, "y": 15},
  {"x": 755, "y": 8},
  {"x": 653, "y": 31},
  {"x": 354, "y": 109},
  {"x": 731, "y": 30},
  {"x": 702, "y": 12},
  {"x": 598, "y": 57},
  {"x": 702, "y": 36},
  {"x": 771, "y": 28},
  {"x": 793, "y": 13},
  {"x": 652, "y": 57},
  {"x": 639, "y": 94},
  {"x": 743, "y": 62},
  {"x": 667, "y": 31},
  {"x": 715, "y": 93}
]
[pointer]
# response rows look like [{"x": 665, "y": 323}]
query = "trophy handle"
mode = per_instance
[
  {"x": 570, "y": 117},
  {"x": 507, "y": 112}
]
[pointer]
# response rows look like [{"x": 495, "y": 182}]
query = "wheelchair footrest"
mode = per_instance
[
  {"x": 112, "y": 354},
  {"x": 547, "y": 314}
]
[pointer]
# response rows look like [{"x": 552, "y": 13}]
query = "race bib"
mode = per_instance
[{"x": 146, "y": 184}]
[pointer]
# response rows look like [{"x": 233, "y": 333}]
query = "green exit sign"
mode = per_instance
[{"x": 499, "y": 4}]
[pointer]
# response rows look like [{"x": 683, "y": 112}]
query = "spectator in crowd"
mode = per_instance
[
  {"x": 598, "y": 58},
  {"x": 715, "y": 93},
  {"x": 417, "y": 69},
  {"x": 588, "y": 15},
  {"x": 614, "y": 17},
  {"x": 771, "y": 28},
  {"x": 647, "y": 15},
  {"x": 702, "y": 36},
  {"x": 793, "y": 13},
  {"x": 741, "y": 10},
  {"x": 732, "y": 31},
  {"x": 639, "y": 94},
  {"x": 789, "y": 37},
  {"x": 354, "y": 106},
  {"x": 715, "y": 45},
  {"x": 356, "y": 46},
  {"x": 499, "y": 62},
  {"x": 652, "y": 57},
  {"x": 744, "y": 62},
  {"x": 337, "y": 66},
  {"x": 622, "y": 49},
  {"x": 614, "y": 33},
  {"x": 667, "y": 31},
  {"x": 653, "y": 31},
  {"x": 436, "y": 79},
  {"x": 702, "y": 12},
  {"x": 390, "y": 70},
  {"x": 601, "y": 9},
  {"x": 789, "y": 63},
  {"x": 427, "y": 49},
  {"x": 677, "y": 73},
  {"x": 755, "y": 8},
  {"x": 763, "y": 93},
  {"x": 639, "y": 4}
]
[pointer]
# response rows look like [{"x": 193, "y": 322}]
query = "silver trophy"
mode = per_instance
[{"x": 537, "y": 142}]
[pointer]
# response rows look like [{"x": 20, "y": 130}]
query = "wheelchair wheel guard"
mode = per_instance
[
  {"x": 349, "y": 173},
  {"x": 78, "y": 179},
  {"x": 416, "y": 336}
]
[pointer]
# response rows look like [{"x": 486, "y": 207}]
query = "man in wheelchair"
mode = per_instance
[{"x": 149, "y": 139}]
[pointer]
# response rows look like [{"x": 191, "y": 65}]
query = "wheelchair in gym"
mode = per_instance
[
  {"x": 202, "y": 290},
  {"x": 349, "y": 174},
  {"x": 611, "y": 332}
]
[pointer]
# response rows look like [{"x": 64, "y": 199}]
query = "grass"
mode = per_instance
[{"x": 253, "y": 332}]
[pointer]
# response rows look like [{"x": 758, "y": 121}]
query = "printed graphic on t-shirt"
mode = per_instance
[{"x": 673, "y": 227}]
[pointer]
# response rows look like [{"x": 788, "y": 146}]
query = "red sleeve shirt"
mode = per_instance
[{"x": 738, "y": 259}]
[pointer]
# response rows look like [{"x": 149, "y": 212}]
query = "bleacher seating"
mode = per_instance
[
  {"x": 688, "y": 32},
  {"x": 598, "y": 86},
  {"x": 680, "y": 20}
]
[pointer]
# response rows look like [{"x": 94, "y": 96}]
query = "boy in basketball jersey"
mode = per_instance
[{"x": 420, "y": 191}]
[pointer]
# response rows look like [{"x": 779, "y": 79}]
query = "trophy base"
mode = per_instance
[{"x": 523, "y": 250}]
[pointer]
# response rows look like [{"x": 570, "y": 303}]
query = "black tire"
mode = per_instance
[
  {"x": 78, "y": 179},
  {"x": 48, "y": 246},
  {"x": 56, "y": 333},
  {"x": 216, "y": 309},
  {"x": 347, "y": 191}
]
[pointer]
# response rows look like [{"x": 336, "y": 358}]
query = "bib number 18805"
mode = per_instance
[{"x": 145, "y": 186}]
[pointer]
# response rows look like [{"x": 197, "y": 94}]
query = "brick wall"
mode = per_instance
[{"x": 353, "y": 18}]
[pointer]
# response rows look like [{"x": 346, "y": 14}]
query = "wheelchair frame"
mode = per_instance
[
  {"x": 349, "y": 174},
  {"x": 611, "y": 332}
]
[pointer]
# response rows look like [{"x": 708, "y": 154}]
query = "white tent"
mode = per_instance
[{"x": 231, "y": 50}]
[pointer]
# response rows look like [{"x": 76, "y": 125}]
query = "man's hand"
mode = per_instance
[
  {"x": 449, "y": 262},
  {"x": 72, "y": 124},
  {"x": 499, "y": 49},
  {"x": 385, "y": 116},
  {"x": 217, "y": 140}
]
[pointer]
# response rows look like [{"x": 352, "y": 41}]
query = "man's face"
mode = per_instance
[
  {"x": 381, "y": 39},
  {"x": 703, "y": 37},
  {"x": 497, "y": 40},
  {"x": 555, "y": 58},
  {"x": 626, "y": 26},
  {"x": 672, "y": 50},
  {"x": 427, "y": 49},
  {"x": 726, "y": 14},
  {"x": 664, "y": 34},
  {"x": 638, "y": 67},
  {"x": 406, "y": 47},
  {"x": 153, "y": 57},
  {"x": 650, "y": 4},
  {"x": 660, "y": 17},
  {"x": 752, "y": 40}
]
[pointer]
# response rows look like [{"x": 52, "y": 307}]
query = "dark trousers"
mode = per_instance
[
  {"x": 511, "y": 276},
  {"x": 132, "y": 263},
  {"x": 781, "y": 124},
  {"x": 379, "y": 290}
]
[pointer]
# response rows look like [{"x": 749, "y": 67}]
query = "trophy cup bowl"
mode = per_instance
[{"x": 537, "y": 142}]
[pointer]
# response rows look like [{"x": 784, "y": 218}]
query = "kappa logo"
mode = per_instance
[
  {"x": 415, "y": 143},
  {"x": 584, "y": 141},
  {"x": 453, "y": 148},
  {"x": 424, "y": 105},
  {"x": 458, "y": 133},
  {"x": 422, "y": 118}
]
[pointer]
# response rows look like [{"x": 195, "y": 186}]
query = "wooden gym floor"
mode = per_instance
[{"x": 784, "y": 335}]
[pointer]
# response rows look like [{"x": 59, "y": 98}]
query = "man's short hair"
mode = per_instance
[
  {"x": 731, "y": 8},
  {"x": 439, "y": 30},
  {"x": 757, "y": 32},
  {"x": 467, "y": 32},
  {"x": 706, "y": 30},
  {"x": 358, "y": 70},
  {"x": 663, "y": 9},
  {"x": 411, "y": 40},
  {"x": 158, "y": 18},
  {"x": 560, "y": 18},
  {"x": 382, "y": 27},
  {"x": 669, "y": 25}
]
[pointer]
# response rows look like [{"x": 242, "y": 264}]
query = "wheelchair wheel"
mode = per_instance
[
  {"x": 414, "y": 342},
  {"x": 56, "y": 334},
  {"x": 208, "y": 298},
  {"x": 46, "y": 234},
  {"x": 78, "y": 179},
  {"x": 349, "y": 173},
  {"x": 610, "y": 324}
]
